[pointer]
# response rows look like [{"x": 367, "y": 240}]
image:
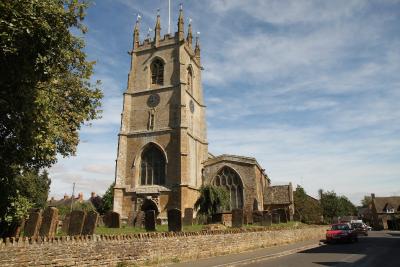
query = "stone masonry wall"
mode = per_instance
[{"x": 144, "y": 248}]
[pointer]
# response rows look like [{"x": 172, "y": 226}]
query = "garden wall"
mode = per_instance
[{"x": 144, "y": 248}]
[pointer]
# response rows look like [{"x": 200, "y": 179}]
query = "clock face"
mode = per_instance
[
  {"x": 191, "y": 106},
  {"x": 153, "y": 100}
]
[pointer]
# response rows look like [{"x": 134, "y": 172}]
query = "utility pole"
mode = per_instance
[{"x": 72, "y": 197}]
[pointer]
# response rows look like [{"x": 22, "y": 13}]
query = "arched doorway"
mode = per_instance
[
  {"x": 229, "y": 179},
  {"x": 149, "y": 204}
]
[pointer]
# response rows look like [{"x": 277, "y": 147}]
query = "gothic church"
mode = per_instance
[{"x": 163, "y": 156}]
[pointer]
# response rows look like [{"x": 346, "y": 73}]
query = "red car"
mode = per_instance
[{"x": 341, "y": 232}]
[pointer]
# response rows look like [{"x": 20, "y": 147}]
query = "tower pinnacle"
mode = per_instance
[
  {"x": 181, "y": 30},
  {"x": 136, "y": 32},
  {"x": 157, "y": 29},
  {"x": 189, "y": 37}
]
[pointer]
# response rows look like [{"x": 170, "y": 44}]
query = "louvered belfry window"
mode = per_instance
[
  {"x": 152, "y": 167},
  {"x": 157, "y": 72},
  {"x": 231, "y": 181}
]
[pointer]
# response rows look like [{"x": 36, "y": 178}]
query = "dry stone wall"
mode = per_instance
[{"x": 143, "y": 248}]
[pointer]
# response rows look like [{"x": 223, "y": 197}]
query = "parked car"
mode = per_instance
[
  {"x": 360, "y": 228},
  {"x": 341, "y": 232}
]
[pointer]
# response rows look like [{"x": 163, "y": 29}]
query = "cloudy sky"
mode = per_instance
[{"x": 309, "y": 88}]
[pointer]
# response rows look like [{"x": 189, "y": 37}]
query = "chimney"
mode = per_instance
[
  {"x": 80, "y": 196},
  {"x": 66, "y": 196},
  {"x": 372, "y": 195},
  {"x": 93, "y": 195}
]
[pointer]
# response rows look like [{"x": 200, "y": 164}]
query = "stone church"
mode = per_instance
[{"x": 163, "y": 156}]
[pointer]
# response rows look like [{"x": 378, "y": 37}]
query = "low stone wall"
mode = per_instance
[{"x": 144, "y": 248}]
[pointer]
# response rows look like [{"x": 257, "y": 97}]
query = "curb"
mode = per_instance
[{"x": 271, "y": 256}]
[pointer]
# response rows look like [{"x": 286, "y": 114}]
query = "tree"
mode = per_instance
[
  {"x": 366, "y": 201},
  {"x": 105, "y": 203},
  {"x": 34, "y": 186},
  {"x": 108, "y": 198},
  {"x": 46, "y": 93},
  {"x": 335, "y": 206},
  {"x": 329, "y": 204},
  {"x": 212, "y": 199},
  {"x": 306, "y": 208}
]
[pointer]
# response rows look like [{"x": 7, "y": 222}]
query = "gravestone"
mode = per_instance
[
  {"x": 131, "y": 218},
  {"x": 65, "y": 223},
  {"x": 248, "y": 217},
  {"x": 18, "y": 228},
  {"x": 49, "y": 222},
  {"x": 32, "y": 225},
  {"x": 257, "y": 217},
  {"x": 282, "y": 215},
  {"x": 150, "y": 220},
  {"x": 266, "y": 219},
  {"x": 112, "y": 219},
  {"x": 90, "y": 223},
  {"x": 76, "y": 220},
  {"x": 275, "y": 218},
  {"x": 188, "y": 216},
  {"x": 237, "y": 218},
  {"x": 138, "y": 222},
  {"x": 174, "y": 220}
]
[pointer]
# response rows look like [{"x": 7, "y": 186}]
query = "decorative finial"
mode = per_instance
[
  {"x": 138, "y": 18},
  {"x": 158, "y": 12},
  {"x": 190, "y": 20},
  {"x": 148, "y": 33},
  {"x": 180, "y": 7}
]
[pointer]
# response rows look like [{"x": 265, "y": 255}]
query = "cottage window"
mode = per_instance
[{"x": 152, "y": 167}]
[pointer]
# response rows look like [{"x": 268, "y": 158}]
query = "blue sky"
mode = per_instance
[{"x": 311, "y": 89}]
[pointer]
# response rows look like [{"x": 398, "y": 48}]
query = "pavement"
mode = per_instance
[{"x": 379, "y": 249}]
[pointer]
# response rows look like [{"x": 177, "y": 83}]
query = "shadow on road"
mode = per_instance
[{"x": 369, "y": 251}]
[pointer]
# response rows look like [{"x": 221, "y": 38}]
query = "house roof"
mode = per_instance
[
  {"x": 278, "y": 194},
  {"x": 383, "y": 203}
]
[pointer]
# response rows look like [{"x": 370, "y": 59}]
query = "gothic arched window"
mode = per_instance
[
  {"x": 152, "y": 167},
  {"x": 230, "y": 180},
  {"x": 190, "y": 80},
  {"x": 157, "y": 72}
]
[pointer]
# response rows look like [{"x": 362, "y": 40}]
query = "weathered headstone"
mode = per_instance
[
  {"x": 266, "y": 219},
  {"x": 112, "y": 219},
  {"x": 49, "y": 222},
  {"x": 76, "y": 220},
  {"x": 257, "y": 217},
  {"x": 131, "y": 218},
  {"x": 275, "y": 218},
  {"x": 283, "y": 218},
  {"x": 188, "y": 216},
  {"x": 65, "y": 223},
  {"x": 150, "y": 220},
  {"x": 32, "y": 225},
  {"x": 174, "y": 220},
  {"x": 90, "y": 223},
  {"x": 18, "y": 229},
  {"x": 138, "y": 222},
  {"x": 237, "y": 218},
  {"x": 248, "y": 217}
]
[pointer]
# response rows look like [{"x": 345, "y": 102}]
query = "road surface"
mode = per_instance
[{"x": 379, "y": 249}]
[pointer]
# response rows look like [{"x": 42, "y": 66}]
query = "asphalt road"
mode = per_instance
[{"x": 381, "y": 249}]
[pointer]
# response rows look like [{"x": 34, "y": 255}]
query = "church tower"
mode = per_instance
[{"x": 162, "y": 143}]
